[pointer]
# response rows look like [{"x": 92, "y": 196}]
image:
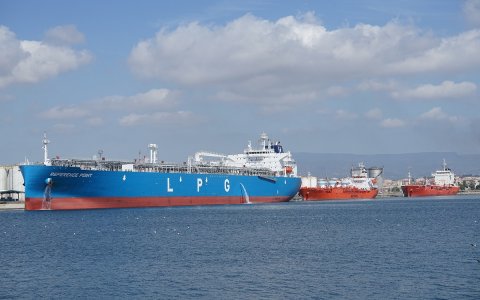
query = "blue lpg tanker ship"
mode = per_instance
[{"x": 264, "y": 174}]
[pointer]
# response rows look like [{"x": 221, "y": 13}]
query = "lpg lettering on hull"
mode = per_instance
[
  {"x": 226, "y": 185},
  {"x": 199, "y": 184}
]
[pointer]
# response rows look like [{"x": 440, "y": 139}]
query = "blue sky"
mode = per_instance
[{"x": 363, "y": 77}]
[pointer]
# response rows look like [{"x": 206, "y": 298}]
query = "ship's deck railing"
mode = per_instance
[
  {"x": 202, "y": 169},
  {"x": 160, "y": 167},
  {"x": 90, "y": 164}
]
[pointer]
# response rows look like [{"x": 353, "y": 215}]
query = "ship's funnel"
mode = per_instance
[{"x": 153, "y": 153}]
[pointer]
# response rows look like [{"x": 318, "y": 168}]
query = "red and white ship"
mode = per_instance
[
  {"x": 443, "y": 184},
  {"x": 361, "y": 185}
]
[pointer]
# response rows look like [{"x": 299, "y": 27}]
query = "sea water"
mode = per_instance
[{"x": 422, "y": 248}]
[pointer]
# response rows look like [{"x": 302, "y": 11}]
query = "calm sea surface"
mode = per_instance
[{"x": 381, "y": 249}]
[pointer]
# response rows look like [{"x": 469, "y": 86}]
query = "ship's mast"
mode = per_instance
[
  {"x": 263, "y": 140},
  {"x": 45, "y": 141}
]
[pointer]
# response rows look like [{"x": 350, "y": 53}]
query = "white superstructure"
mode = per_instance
[
  {"x": 269, "y": 155},
  {"x": 444, "y": 177}
]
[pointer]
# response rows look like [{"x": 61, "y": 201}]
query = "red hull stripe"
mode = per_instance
[
  {"x": 123, "y": 202},
  {"x": 428, "y": 190},
  {"x": 320, "y": 194}
]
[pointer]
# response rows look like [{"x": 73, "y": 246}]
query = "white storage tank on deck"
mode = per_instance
[
  {"x": 332, "y": 182},
  {"x": 377, "y": 173},
  {"x": 309, "y": 181},
  {"x": 322, "y": 183},
  {"x": 374, "y": 172}
]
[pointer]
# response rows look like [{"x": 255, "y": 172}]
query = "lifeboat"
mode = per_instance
[{"x": 288, "y": 170}]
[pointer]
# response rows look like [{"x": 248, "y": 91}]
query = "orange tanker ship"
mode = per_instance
[
  {"x": 443, "y": 185},
  {"x": 359, "y": 186},
  {"x": 336, "y": 193}
]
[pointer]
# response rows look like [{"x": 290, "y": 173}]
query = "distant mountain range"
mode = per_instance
[{"x": 396, "y": 166}]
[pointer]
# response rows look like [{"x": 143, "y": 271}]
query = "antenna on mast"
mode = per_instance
[{"x": 100, "y": 154}]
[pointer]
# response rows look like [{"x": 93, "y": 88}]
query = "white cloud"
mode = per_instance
[
  {"x": 337, "y": 91},
  {"x": 67, "y": 34},
  {"x": 377, "y": 85},
  {"x": 374, "y": 114},
  {"x": 178, "y": 117},
  {"x": 67, "y": 112},
  {"x": 272, "y": 101},
  {"x": 64, "y": 127},
  {"x": 10, "y": 52},
  {"x": 154, "y": 98},
  {"x": 255, "y": 57},
  {"x": 471, "y": 9},
  {"x": 447, "y": 89},
  {"x": 249, "y": 47},
  {"x": 456, "y": 53},
  {"x": 95, "y": 121},
  {"x": 345, "y": 115},
  {"x": 437, "y": 114},
  {"x": 33, "y": 61},
  {"x": 392, "y": 123},
  {"x": 92, "y": 112}
]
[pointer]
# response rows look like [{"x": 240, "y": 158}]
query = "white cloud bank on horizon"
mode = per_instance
[
  {"x": 251, "y": 56},
  {"x": 24, "y": 61}
]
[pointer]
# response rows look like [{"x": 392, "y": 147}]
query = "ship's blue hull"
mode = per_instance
[{"x": 54, "y": 187}]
